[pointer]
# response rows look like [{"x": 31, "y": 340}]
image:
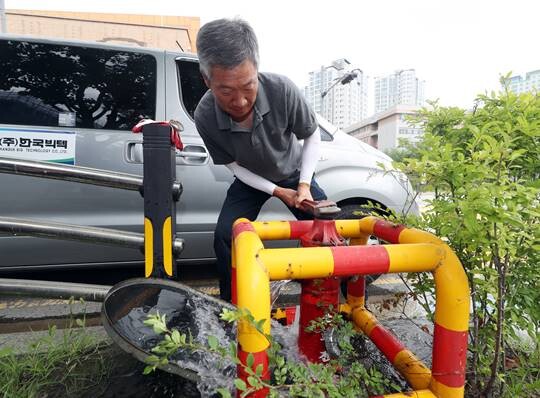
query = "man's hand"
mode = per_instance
[
  {"x": 286, "y": 195},
  {"x": 302, "y": 193}
]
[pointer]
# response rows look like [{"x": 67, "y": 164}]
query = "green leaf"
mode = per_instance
[
  {"x": 250, "y": 360},
  {"x": 175, "y": 336},
  {"x": 152, "y": 359},
  {"x": 260, "y": 324},
  {"x": 233, "y": 349},
  {"x": 240, "y": 384},
  {"x": 224, "y": 393},
  {"x": 212, "y": 342},
  {"x": 259, "y": 369},
  {"x": 229, "y": 315},
  {"x": 253, "y": 381},
  {"x": 159, "y": 328}
]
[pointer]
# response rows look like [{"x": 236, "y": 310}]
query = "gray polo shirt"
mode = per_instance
[{"x": 271, "y": 148}]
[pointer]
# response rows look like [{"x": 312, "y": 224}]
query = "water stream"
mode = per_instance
[
  {"x": 275, "y": 290},
  {"x": 193, "y": 312}
]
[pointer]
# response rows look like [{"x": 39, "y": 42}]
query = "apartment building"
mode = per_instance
[
  {"x": 399, "y": 88},
  {"x": 338, "y": 92},
  {"x": 530, "y": 82}
]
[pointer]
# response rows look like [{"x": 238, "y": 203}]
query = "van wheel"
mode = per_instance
[{"x": 358, "y": 211}]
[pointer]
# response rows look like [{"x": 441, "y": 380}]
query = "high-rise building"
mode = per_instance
[
  {"x": 341, "y": 104},
  {"x": 518, "y": 84},
  {"x": 400, "y": 88}
]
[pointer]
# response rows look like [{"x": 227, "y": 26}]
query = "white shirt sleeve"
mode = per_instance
[
  {"x": 251, "y": 179},
  {"x": 310, "y": 156}
]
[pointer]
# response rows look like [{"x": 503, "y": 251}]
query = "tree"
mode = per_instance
[{"x": 484, "y": 166}]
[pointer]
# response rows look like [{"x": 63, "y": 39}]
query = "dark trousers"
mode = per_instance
[{"x": 245, "y": 201}]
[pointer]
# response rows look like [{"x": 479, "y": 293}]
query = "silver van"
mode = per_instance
[{"x": 75, "y": 102}]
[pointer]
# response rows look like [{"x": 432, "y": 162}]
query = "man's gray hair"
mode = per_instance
[{"x": 226, "y": 43}]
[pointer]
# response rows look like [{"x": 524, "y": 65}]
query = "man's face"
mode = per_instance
[{"x": 235, "y": 89}]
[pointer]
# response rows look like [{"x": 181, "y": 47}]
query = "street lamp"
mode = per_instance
[{"x": 345, "y": 79}]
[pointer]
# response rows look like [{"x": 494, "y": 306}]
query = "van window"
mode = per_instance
[
  {"x": 46, "y": 84},
  {"x": 192, "y": 86}
]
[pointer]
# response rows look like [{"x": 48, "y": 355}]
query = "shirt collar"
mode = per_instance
[
  {"x": 261, "y": 108},
  {"x": 223, "y": 119},
  {"x": 262, "y": 105}
]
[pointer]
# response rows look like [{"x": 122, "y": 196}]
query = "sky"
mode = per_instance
[{"x": 460, "y": 47}]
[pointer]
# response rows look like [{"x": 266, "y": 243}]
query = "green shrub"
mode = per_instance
[{"x": 484, "y": 166}]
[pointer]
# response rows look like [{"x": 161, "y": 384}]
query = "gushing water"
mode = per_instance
[
  {"x": 189, "y": 312},
  {"x": 212, "y": 369},
  {"x": 275, "y": 290},
  {"x": 197, "y": 315}
]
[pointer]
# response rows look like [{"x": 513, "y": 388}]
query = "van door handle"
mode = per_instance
[
  {"x": 134, "y": 152},
  {"x": 184, "y": 154},
  {"x": 192, "y": 154}
]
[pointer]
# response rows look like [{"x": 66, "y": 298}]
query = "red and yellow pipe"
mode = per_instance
[
  {"x": 404, "y": 361},
  {"x": 252, "y": 294},
  {"x": 451, "y": 311},
  {"x": 411, "y": 251},
  {"x": 322, "y": 262}
]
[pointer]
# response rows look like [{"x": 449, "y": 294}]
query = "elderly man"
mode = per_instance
[{"x": 252, "y": 122}]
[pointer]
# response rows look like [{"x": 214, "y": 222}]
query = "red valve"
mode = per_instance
[{"x": 319, "y": 296}]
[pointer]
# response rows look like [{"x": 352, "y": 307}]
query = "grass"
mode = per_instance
[{"x": 61, "y": 364}]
